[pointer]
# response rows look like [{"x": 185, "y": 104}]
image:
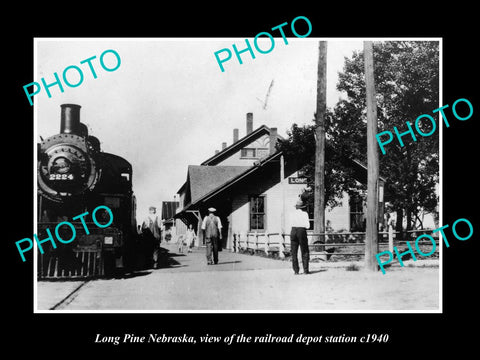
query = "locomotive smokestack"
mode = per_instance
[{"x": 70, "y": 119}]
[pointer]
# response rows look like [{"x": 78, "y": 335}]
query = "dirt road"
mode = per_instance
[{"x": 250, "y": 283}]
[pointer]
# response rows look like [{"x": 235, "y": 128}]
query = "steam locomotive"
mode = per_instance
[{"x": 74, "y": 177}]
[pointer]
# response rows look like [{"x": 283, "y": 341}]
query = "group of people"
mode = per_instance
[
  {"x": 186, "y": 242},
  {"x": 152, "y": 228},
  {"x": 212, "y": 226}
]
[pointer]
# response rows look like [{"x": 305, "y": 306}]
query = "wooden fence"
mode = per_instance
[{"x": 335, "y": 244}]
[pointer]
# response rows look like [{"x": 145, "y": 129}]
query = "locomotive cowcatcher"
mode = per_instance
[{"x": 74, "y": 176}]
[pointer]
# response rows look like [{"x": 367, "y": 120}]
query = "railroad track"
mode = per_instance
[{"x": 69, "y": 298}]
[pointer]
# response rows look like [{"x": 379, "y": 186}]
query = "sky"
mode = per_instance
[{"x": 168, "y": 105}]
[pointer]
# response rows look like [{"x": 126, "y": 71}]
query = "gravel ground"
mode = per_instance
[{"x": 252, "y": 283}]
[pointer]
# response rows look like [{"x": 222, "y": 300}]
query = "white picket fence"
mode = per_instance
[
  {"x": 280, "y": 243},
  {"x": 257, "y": 241}
]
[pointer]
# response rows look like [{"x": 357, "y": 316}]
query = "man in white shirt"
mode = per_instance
[{"x": 299, "y": 223}]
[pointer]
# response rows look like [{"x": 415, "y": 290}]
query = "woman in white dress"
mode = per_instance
[{"x": 190, "y": 238}]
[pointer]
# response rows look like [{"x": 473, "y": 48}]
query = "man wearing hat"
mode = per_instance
[
  {"x": 213, "y": 232},
  {"x": 299, "y": 222},
  {"x": 151, "y": 229}
]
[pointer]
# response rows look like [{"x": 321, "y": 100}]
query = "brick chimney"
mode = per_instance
[
  {"x": 217, "y": 151},
  {"x": 273, "y": 139},
  {"x": 249, "y": 123},
  {"x": 235, "y": 135},
  {"x": 224, "y": 145}
]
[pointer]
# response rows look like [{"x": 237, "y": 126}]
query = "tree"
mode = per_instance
[
  {"x": 299, "y": 146},
  {"x": 407, "y": 83}
]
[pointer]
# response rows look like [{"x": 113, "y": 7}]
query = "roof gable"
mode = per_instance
[
  {"x": 235, "y": 174},
  {"x": 236, "y": 146},
  {"x": 204, "y": 179}
]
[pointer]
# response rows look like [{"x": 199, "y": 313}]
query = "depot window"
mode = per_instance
[
  {"x": 254, "y": 153},
  {"x": 357, "y": 214},
  {"x": 257, "y": 213}
]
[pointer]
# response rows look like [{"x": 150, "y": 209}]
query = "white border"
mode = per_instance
[{"x": 35, "y": 132}]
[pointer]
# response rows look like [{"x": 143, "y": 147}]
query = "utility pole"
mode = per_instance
[
  {"x": 319, "y": 189},
  {"x": 371, "y": 236}
]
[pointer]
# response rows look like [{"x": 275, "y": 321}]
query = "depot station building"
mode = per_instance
[{"x": 252, "y": 186}]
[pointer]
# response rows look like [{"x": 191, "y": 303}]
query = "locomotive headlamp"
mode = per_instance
[
  {"x": 67, "y": 166},
  {"x": 61, "y": 165}
]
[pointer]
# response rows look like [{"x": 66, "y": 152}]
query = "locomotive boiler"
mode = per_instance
[{"x": 75, "y": 176}]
